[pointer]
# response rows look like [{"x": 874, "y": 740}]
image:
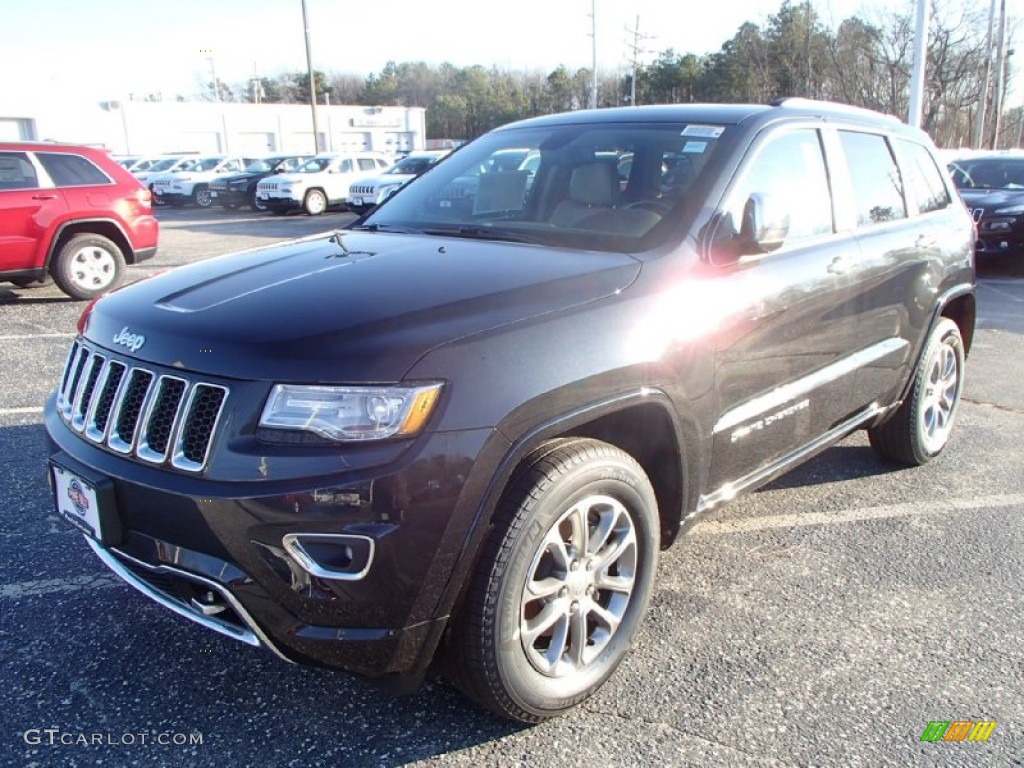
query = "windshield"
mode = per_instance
[
  {"x": 201, "y": 164},
  {"x": 988, "y": 173},
  {"x": 314, "y": 165},
  {"x": 411, "y": 165},
  {"x": 166, "y": 164},
  {"x": 260, "y": 166},
  {"x": 605, "y": 186}
]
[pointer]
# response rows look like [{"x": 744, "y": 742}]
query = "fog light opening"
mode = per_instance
[{"x": 331, "y": 556}]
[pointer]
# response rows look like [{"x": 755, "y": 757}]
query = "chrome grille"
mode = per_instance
[{"x": 158, "y": 418}]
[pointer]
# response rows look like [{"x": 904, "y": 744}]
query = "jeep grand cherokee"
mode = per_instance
[{"x": 463, "y": 427}]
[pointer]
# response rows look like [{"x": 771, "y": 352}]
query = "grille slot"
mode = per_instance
[{"x": 158, "y": 418}]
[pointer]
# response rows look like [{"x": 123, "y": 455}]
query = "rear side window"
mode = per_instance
[
  {"x": 71, "y": 170},
  {"x": 16, "y": 172},
  {"x": 366, "y": 164},
  {"x": 924, "y": 179},
  {"x": 877, "y": 185}
]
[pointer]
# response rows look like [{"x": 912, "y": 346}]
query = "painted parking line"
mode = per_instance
[
  {"x": 31, "y": 336},
  {"x": 32, "y": 409},
  {"x": 23, "y": 589},
  {"x": 913, "y": 509}
]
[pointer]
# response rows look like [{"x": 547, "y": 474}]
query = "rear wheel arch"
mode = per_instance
[{"x": 105, "y": 227}]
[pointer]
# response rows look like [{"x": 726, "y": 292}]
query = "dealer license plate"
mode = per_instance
[{"x": 77, "y": 501}]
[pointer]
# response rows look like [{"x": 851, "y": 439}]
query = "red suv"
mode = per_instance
[{"x": 73, "y": 213}]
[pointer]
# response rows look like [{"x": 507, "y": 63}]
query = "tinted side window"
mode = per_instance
[
  {"x": 877, "y": 186},
  {"x": 788, "y": 173},
  {"x": 924, "y": 179},
  {"x": 71, "y": 170},
  {"x": 16, "y": 172},
  {"x": 345, "y": 166},
  {"x": 366, "y": 164}
]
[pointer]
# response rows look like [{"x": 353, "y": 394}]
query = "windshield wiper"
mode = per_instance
[
  {"x": 384, "y": 228},
  {"x": 477, "y": 233}
]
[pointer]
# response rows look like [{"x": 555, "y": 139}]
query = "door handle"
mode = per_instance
[
  {"x": 44, "y": 196},
  {"x": 838, "y": 265}
]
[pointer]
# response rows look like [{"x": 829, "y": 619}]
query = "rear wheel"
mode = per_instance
[
  {"x": 87, "y": 266},
  {"x": 920, "y": 428},
  {"x": 315, "y": 202},
  {"x": 563, "y": 583}
]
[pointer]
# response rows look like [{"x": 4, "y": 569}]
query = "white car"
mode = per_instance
[
  {"x": 191, "y": 182},
  {"x": 368, "y": 192},
  {"x": 162, "y": 166},
  {"x": 320, "y": 182}
]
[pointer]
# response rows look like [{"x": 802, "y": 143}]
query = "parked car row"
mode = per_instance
[{"x": 279, "y": 183}]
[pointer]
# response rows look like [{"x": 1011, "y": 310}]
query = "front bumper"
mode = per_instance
[
  {"x": 218, "y": 553},
  {"x": 281, "y": 203},
  {"x": 230, "y": 197},
  {"x": 171, "y": 197}
]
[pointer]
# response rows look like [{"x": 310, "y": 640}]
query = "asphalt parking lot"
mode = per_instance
[{"x": 826, "y": 619}]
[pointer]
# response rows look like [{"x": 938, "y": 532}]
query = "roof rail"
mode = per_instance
[{"x": 835, "y": 107}]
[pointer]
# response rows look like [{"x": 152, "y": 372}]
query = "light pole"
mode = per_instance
[{"x": 312, "y": 80}]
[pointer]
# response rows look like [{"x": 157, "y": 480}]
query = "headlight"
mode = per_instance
[
  {"x": 1013, "y": 210},
  {"x": 350, "y": 413}
]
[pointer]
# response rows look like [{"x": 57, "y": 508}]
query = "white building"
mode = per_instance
[{"x": 138, "y": 127}]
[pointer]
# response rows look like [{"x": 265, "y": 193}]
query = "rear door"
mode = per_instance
[
  {"x": 28, "y": 207},
  {"x": 902, "y": 226}
]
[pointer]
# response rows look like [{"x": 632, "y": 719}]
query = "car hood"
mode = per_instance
[
  {"x": 228, "y": 178},
  {"x": 990, "y": 199},
  {"x": 354, "y": 307},
  {"x": 385, "y": 179}
]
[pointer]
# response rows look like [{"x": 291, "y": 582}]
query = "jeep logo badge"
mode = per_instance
[{"x": 133, "y": 341}]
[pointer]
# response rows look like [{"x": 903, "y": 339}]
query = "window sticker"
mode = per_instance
[
  {"x": 704, "y": 131},
  {"x": 694, "y": 147}
]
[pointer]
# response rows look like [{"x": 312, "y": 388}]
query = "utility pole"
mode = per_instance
[
  {"x": 1000, "y": 76},
  {"x": 920, "y": 55},
  {"x": 593, "y": 36},
  {"x": 312, "y": 80},
  {"x": 979, "y": 124},
  {"x": 635, "y": 52}
]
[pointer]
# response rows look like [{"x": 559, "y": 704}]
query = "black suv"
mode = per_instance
[
  {"x": 240, "y": 188},
  {"x": 464, "y": 427},
  {"x": 992, "y": 188}
]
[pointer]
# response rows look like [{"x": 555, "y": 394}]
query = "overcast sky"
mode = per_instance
[{"x": 106, "y": 49}]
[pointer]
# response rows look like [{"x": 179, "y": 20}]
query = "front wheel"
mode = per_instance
[
  {"x": 315, "y": 202},
  {"x": 920, "y": 428},
  {"x": 87, "y": 266},
  {"x": 201, "y": 196},
  {"x": 563, "y": 583}
]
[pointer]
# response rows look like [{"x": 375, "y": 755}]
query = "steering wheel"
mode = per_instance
[{"x": 649, "y": 205}]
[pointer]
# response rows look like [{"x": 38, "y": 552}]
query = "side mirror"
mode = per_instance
[{"x": 765, "y": 224}]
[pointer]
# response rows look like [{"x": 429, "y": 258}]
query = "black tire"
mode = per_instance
[
  {"x": 256, "y": 204},
  {"x": 315, "y": 202},
  {"x": 506, "y": 652},
  {"x": 278, "y": 211},
  {"x": 201, "y": 196},
  {"x": 88, "y": 266},
  {"x": 921, "y": 426}
]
